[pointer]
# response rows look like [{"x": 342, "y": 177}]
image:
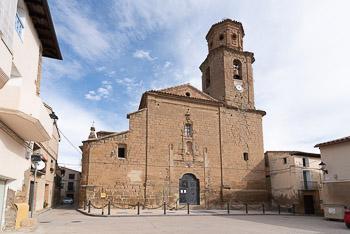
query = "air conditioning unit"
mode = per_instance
[{"x": 333, "y": 211}]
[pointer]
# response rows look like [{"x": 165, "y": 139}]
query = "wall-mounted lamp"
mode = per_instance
[{"x": 323, "y": 167}]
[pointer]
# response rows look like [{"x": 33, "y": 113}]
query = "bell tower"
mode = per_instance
[{"x": 227, "y": 71}]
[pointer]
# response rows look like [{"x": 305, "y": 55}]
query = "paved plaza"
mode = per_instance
[{"x": 62, "y": 221}]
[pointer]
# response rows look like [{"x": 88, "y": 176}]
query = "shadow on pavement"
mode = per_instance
[{"x": 65, "y": 207}]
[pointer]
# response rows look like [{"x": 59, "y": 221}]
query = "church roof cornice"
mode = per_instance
[
  {"x": 225, "y": 21},
  {"x": 182, "y": 98},
  {"x": 107, "y": 136},
  {"x": 212, "y": 101}
]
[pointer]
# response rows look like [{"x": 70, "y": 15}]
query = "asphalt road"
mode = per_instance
[{"x": 63, "y": 221}]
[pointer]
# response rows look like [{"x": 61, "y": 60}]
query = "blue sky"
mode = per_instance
[{"x": 114, "y": 50}]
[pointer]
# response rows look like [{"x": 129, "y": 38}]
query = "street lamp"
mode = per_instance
[
  {"x": 36, "y": 159},
  {"x": 323, "y": 167}
]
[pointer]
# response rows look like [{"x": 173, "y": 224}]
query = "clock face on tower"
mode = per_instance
[{"x": 239, "y": 87}]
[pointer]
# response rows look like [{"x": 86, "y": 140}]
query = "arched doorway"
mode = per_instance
[{"x": 189, "y": 189}]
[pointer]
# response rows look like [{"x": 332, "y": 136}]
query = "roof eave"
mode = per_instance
[{"x": 52, "y": 50}]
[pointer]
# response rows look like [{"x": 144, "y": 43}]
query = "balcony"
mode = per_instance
[
  {"x": 24, "y": 112},
  {"x": 309, "y": 185}
]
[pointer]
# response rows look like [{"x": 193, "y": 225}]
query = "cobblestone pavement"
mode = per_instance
[{"x": 64, "y": 221}]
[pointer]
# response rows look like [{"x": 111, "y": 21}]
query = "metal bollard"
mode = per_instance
[
  {"x": 103, "y": 212},
  {"x": 188, "y": 208},
  {"x": 109, "y": 207},
  {"x": 246, "y": 208},
  {"x": 89, "y": 206},
  {"x": 84, "y": 205},
  {"x": 138, "y": 208},
  {"x": 293, "y": 209},
  {"x": 228, "y": 208},
  {"x": 279, "y": 209},
  {"x": 263, "y": 208},
  {"x": 164, "y": 207}
]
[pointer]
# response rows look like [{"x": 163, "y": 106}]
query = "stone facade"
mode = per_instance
[
  {"x": 294, "y": 178},
  {"x": 69, "y": 184},
  {"x": 214, "y": 136}
]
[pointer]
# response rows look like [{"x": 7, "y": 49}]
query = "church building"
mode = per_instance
[{"x": 185, "y": 145}]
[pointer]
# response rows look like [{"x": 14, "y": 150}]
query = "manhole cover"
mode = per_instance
[{"x": 76, "y": 221}]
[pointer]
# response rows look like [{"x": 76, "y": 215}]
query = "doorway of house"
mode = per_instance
[
  {"x": 189, "y": 189},
  {"x": 309, "y": 207},
  {"x": 31, "y": 195}
]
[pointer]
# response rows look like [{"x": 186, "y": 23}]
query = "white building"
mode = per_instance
[
  {"x": 335, "y": 156},
  {"x": 27, "y": 33}
]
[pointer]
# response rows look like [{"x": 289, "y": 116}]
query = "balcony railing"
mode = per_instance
[{"x": 309, "y": 185}]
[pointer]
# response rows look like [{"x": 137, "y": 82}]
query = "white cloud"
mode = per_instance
[
  {"x": 142, "y": 54},
  {"x": 102, "y": 92},
  {"x": 110, "y": 73},
  {"x": 101, "y": 68},
  {"x": 84, "y": 34},
  {"x": 54, "y": 69}
]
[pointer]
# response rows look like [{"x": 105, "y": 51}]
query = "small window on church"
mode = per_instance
[
  {"x": 188, "y": 94},
  {"x": 210, "y": 45},
  {"x": 237, "y": 69},
  {"x": 188, "y": 130},
  {"x": 284, "y": 160},
  {"x": 121, "y": 151},
  {"x": 221, "y": 37},
  {"x": 245, "y": 156},
  {"x": 207, "y": 77}
]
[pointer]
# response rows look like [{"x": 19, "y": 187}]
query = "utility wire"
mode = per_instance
[{"x": 71, "y": 144}]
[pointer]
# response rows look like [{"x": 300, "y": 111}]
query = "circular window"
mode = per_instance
[
  {"x": 188, "y": 94},
  {"x": 221, "y": 37},
  {"x": 211, "y": 45}
]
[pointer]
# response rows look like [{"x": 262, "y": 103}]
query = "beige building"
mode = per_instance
[
  {"x": 42, "y": 193},
  {"x": 27, "y": 34},
  {"x": 294, "y": 178},
  {"x": 186, "y": 145},
  {"x": 70, "y": 184},
  {"x": 335, "y": 156}
]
